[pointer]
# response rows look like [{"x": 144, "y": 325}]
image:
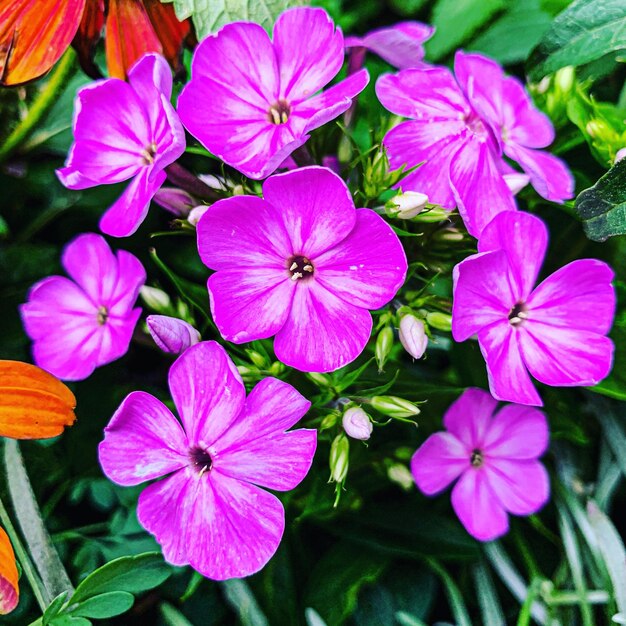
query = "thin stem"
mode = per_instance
[
  {"x": 183, "y": 178},
  {"x": 42, "y": 103}
]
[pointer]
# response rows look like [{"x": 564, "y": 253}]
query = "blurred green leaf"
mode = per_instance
[
  {"x": 104, "y": 605},
  {"x": 241, "y": 599},
  {"x": 490, "y": 607}
]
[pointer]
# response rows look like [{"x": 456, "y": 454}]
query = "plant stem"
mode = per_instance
[
  {"x": 42, "y": 103},
  {"x": 183, "y": 178}
]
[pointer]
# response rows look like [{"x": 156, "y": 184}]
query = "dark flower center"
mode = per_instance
[
  {"x": 200, "y": 460},
  {"x": 103, "y": 315},
  {"x": 477, "y": 458},
  {"x": 148, "y": 154},
  {"x": 300, "y": 267},
  {"x": 279, "y": 112},
  {"x": 518, "y": 314}
]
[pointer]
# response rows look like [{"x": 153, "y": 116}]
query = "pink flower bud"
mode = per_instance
[
  {"x": 357, "y": 424},
  {"x": 413, "y": 336},
  {"x": 171, "y": 334},
  {"x": 174, "y": 200},
  {"x": 619, "y": 155}
]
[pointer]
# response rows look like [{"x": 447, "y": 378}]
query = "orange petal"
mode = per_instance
[
  {"x": 33, "y": 403},
  {"x": 88, "y": 36},
  {"x": 170, "y": 31},
  {"x": 129, "y": 35},
  {"x": 9, "y": 592},
  {"x": 33, "y": 36}
]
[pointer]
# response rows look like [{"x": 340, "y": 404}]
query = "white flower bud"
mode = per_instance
[
  {"x": 339, "y": 458},
  {"x": 357, "y": 424},
  {"x": 155, "y": 298},
  {"x": 401, "y": 475},
  {"x": 196, "y": 213},
  {"x": 394, "y": 406},
  {"x": 409, "y": 204},
  {"x": 413, "y": 336}
]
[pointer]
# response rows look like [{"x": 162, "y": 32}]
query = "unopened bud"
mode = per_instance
[
  {"x": 171, "y": 334},
  {"x": 401, "y": 475},
  {"x": 339, "y": 458},
  {"x": 598, "y": 128},
  {"x": 407, "y": 205},
  {"x": 276, "y": 368},
  {"x": 433, "y": 215},
  {"x": 321, "y": 380},
  {"x": 619, "y": 155},
  {"x": 413, "y": 336},
  {"x": 155, "y": 298},
  {"x": 394, "y": 406},
  {"x": 357, "y": 424},
  {"x": 450, "y": 234},
  {"x": 195, "y": 214},
  {"x": 174, "y": 200},
  {"x": 257, "y": 358},
  {"x": 384, "y": 343},
  {"x": 564, "y": 78},
  {"x": 440, "y": 321},
  {"x": 329, "y": 420}
]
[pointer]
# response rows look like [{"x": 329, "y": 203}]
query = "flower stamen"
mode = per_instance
[
  {"x": 300, "y": 267},
  {"x": 279, "y": 112},
  {"x": 201, "y": 460},
  {"x": 477, "y": 458},
  {"x": 148, "y": 154},
  {"x": 518, "y": 314},
  {"x": 103, "y": 315}
]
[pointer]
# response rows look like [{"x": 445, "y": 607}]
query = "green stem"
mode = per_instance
[{"x": 42, "y": 103}]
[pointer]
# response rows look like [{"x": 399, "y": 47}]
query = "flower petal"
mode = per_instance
[
  {"x": 9, "y": 590},
  {"x": 131, "y": 277},
  {"x": 88, "y": 36},
  {"x": 469, "y": 418},
  {"x": 143, "y": 441},
  {"x": 207, "y": 391},
  {"x": 368, "y": 267},
  {"x": 441, "y": 459},
  {"x": 323, "y": 332}
]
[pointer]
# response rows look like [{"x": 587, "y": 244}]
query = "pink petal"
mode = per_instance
[
  {"x": 368, "y": 267},
  {"x": 125, "y": 216},
  {"x": 522, "y": 487},
  {"x": 143, "y": 441},
  {"x": 131, "y": 276},
  {"x": 316, "y": 208},
  {"x": 478, "y": 508},
  {"x": 323, "y": 332},
  {"x": 117, "y": 335},
  {"x": 170, "y": 334},
  {"x": 441, "y": 459},
  {"x": 524, "y": 237},
  {"x": 151, "y": 76},
  {"x": 207, "y": 391},
  {"x": 517, "y": 432},
  {"x": 309, "y": 51},
  {"x": 469, "y": 418}
]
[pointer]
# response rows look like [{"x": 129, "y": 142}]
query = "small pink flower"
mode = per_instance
[
  {"x": 172, "y": 334},
  {"x": 83, "y": 323},
  {"x": 208, "y": 511},
  {"x": 302, "y": 264},
  {"x": 125, "y": 131},
  {"x": 253, "y": 100},
  {"x": 494, "y": 455},
  {"x": 556, "y": 330}
]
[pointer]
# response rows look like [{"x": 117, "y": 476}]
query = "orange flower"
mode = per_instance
[
  {"x": 33, "y": 403},
  {"x": 9, "y": 592}
]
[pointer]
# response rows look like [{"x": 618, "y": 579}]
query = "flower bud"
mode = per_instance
[
  {"x": 564, "y": 78},
  {"x": 175, "y": 201},
  {"x": 328, "y": 421},
  {"x": 155, "y": 298},
  {"x": 258, "y": 359},
  {"x": 440, "y": 321},
  {"x": 339, "y": 458},
  {"x": 196, "y": 213},
  {"x": 413, "y": 336},
  {"x": 394, "y": 406},
  {"x": 321, "y": 380},
  {"x": 433, "y": 215},
  {"x": 619, "y": 155},
  {"x": 357, "y": 424},
  {"x": 170, "y": 334},
  {"x": 384, "y": 343},
  {"x": 401, "y": 475},
  {"x": 407, "y": 205}
]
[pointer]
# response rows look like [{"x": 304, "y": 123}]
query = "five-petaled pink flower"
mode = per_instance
[
  {"x": 459, "y": 129},
  {"x": 556, "y": 330},
  {"x": 83, "y": 323},
  {"x": 208, "y": 512},
  {"x": 494, "y": 455},
  {"x": 302, "y": 264},
  {"x": 125, "y": 131},
  {"x": 252, "y": 101}
]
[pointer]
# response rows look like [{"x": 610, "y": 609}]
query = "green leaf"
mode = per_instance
[
  {"x": 128, "y": 573},
  {"x": 104, "y": 605},
  {"x": 54, "y": 608},
  {"x": 490, "y": 607},
  {"x": 455, "y": 597},
  {"x": 210, "y": 15},
  {"x": 603, "y": 206},
  {"x": 242, "y": 601},
  {"x": 584, "y": 32},
  {"x": 69, "y": 620}
]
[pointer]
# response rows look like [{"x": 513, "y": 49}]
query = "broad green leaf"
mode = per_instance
[
  {"x": 69, "y": 620},
  {"x": 210, "y": 15},
  {"x": 241, "y": 599},
  {"x": 132, "y": 574},
  {"x": 584, "y": 32},
  {"x": 603, "y": 206},
  {"x": 54, "y": 608},
  {"x": 104, "y": 605},
  {"x": 490, "y": 607}
]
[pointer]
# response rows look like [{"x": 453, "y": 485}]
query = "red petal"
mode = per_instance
[
  {"x": 170, "y": 31},
  {"x": 9, "y": 592},
  {"x": 88, "y": 36}
]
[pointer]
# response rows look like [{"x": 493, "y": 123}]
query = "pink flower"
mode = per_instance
[
  {"x": 302, "y": 264},
  {"x": 494, "y": 456},
  {"x": 252, "y": 101},
  {"x": 208, "y": 512},
  {"x": 556, "y": 330},
  {"x": 459, "y": 128},
  {"x": 83, "y": 323},
  {"x": 125, "y": 131},
  {"x": 172, "y": 334}
]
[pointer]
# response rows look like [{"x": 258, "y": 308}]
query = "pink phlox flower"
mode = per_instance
[
  {"x": 88, "y": 321},
  {"x": 493, "y": 454},
  {"x": 252, "y": 100},
  {"x": 125, "y": 131},
  {"x": 300, "y": 263},
  {"x": 208, "y": 511},
  {"x": 556, "y": 331},
  {"x": 453, "y": 133},
  {"x": 171, "y": 334},
  {"x": 401, "y": 45}
]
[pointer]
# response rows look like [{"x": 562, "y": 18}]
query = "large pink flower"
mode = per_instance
[
  {"x": 83, "y": 323},
  {"x": 494, "y": 456},
  {"x": 252, "y": 101},
  {"x": 125, "y": 131},
  {"x": 556, "y": 330},
  {"x": 208, "y": 512},
  {"x": 302, "y": 264}
]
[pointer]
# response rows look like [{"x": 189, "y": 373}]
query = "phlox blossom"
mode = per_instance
[
  {"x": 556, "y": 331},
  {"x": 459, "y": 129},
  {"x": 125, "y": 131},
  {"x": 252, "y": 100},
  {"x": 494, "y": 455},
  {"x": 300, "y": 263},
  {"x": 171, "y": 334},
  {"x": 88, "y": 321},
  {"x": 208, "y": 511}
]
